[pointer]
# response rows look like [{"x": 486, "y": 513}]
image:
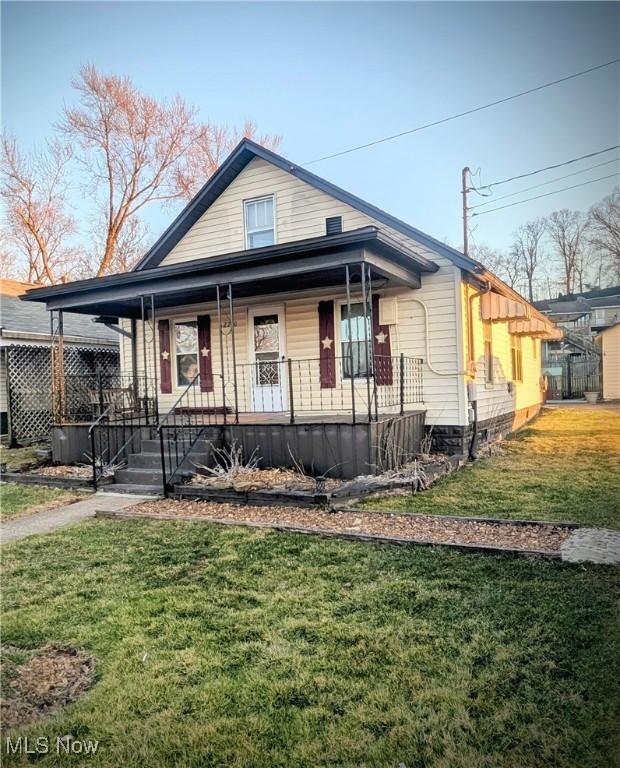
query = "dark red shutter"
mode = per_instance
[
  {"x": 382, "y": 350},
  {"x": 165, "y": 364},
  {"x": 327, "y": 345},
  {"x": 204, "y": 353}
]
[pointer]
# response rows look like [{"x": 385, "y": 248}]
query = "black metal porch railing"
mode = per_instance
[
  {"x": 291, "y": 390},
  {"x": 85, "y": 397},
  {"x": 123, "y": 412}
]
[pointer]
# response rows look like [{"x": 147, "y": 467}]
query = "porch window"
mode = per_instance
[
  {"x": 186, "y": 351},
  {"x": 259, "y": 222},
  {"x": 360, "y": 333},
  {"x": 487, "y": 329},
  {"x": 516, "y": 358}
]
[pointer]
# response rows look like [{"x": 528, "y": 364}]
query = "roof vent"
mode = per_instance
[{"x": 333, "y": 225}]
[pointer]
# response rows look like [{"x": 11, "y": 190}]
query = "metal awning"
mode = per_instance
[{"x": 310, "y": 263}]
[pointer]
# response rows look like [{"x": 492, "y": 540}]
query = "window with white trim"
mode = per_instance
[
  {"x": 260, "y": 227},
  {"x": 361, "y": 340},
  {"x": 186, "y": 351}
]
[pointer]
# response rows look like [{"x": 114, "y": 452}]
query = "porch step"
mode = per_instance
[
  {"x": 202, "y": 445},
  {"x": 134, "y": 488},
  {"x": 138, "y": 477},
  {"x": 152, "y": 461}
]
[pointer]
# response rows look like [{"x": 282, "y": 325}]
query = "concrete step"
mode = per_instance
[
  {"x": 153, "y": 460},
  {"x": 138, "y": 477},
  {"x": 202, "y": 445},
  {"x": 134, "y": 488}
]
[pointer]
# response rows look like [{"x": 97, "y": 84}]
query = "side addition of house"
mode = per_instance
[{"x": 284, "y": 313}]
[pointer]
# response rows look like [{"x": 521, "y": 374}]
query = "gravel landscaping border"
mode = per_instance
[{"x": 469, "y": 534}]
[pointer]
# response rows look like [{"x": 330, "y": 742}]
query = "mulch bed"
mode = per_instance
[
  {"x": 421, "y": 528},
  {"x": 44, "y": 684},
  {"x": 262, "y": 479},
  {"x": 64, "y": 470}
]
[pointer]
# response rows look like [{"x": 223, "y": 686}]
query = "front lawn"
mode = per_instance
[
  {"x": 564, "y": 466},
  {"x": 222, "y": 646},
  {"x": 17, "y": 500}
]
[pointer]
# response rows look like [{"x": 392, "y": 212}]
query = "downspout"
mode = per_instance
[{"x": 472, "y": 452}]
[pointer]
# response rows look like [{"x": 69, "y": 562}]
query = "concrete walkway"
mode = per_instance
[
  {"x": 53, "y": 519},
  {"x": 592, "y": 545}
]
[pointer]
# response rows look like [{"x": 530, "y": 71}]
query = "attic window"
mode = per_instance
[
  {"x": 259, "y": 222},
  {"x": 333, "y": 225}
]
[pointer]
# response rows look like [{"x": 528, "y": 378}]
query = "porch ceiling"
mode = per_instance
[{"x": 312, "y": 263}]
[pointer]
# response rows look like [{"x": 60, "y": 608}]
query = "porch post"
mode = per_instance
[
  {"x": 134, "y": 357},
  {"x": 155, "y": 360},
  {"x": 348, "y": 283},
  {"x": 219, "y": 324},
  {"x": 365, "y": 304},
  {"x": 234, "y": 353},
  {"x": 146, "y": 386},
  {"x": 372, "y": 346},
  {"x": 57, "y": 365}
]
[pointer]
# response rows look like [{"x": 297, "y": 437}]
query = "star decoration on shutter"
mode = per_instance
[
  {"x": 205, "y": 352},
  {"x": 327, "y": 342},
  {"x": 381, "y": 337},
  {"x": 165, "y": 355}
]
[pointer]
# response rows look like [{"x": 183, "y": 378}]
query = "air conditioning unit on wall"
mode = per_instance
[{"x": 388, "y": 310}]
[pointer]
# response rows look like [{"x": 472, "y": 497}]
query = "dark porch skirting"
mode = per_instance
[
  {"x": 456, "y": 439},
  {"x": 336, "y": 447}
]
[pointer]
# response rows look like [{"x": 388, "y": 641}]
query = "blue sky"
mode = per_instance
[{"x": 331, "y": 75}]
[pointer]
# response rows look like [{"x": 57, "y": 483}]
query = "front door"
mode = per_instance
[{"x": 268, "y": 365}]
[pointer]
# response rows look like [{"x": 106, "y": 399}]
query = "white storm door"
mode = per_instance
[{"x": 268, "y": 367}]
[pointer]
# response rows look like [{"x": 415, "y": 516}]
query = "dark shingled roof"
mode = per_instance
[{"x": 28, "y": 317}]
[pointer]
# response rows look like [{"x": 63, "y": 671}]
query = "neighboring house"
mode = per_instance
[
  {"x": 25, "y": 360},
  {"x": 285, "y": 313},
  {"x": 584, "y": 313},
  {"x": 609, "y": 341}
]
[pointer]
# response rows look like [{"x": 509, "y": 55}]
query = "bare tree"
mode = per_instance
[
  {"x": 136, "y": 151},
  {"x": 34, "y": 190},
  {"x": 604, "y": 232},
  {"x": 566, "y": 230},
  {"x": 506, "y": 265},
  {"x": 527, "y": 250}
]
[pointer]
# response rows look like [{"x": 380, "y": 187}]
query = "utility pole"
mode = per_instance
[{"x": 464, "y": 193}]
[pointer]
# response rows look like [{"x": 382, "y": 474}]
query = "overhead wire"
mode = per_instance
[
  {"x": 547, "y": 194},
  {"x": 545, "y": 183},
  {"x": 463, "y": 114}
]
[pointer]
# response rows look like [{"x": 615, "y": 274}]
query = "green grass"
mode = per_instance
[
  {"x": 222, "y": 646},
  {"x": 15, "y": 457},
  {"x": 17, "y": 500},
  {"x": 564, "y": 466}
]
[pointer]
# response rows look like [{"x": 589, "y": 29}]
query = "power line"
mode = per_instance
[
  {"x": 547, "y": 168},
  {"x": 537, "y": 197},
  {"x": 545, "y": 183},
  {"x": 462, "y": 114}
]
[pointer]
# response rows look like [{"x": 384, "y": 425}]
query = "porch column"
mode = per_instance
[
  {"x": 144, "y": 361},
  {"x": 348, "y": 284},
  {"x": 134, "y": 357},
  {"x": 57, "y": 364},
  {"x": 219, "y": 324},
  {"x": 234, "y": 353},
  {"x": 366, "y": 302},
  {"x": 155, "y": 360},
  {"x": 372, "y": 346}
]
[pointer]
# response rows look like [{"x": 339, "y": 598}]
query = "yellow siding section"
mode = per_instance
[
  {"x": 610, "y": 343},
  {"x": 495, "y": 399}
]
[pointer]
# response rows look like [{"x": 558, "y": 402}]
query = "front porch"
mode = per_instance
[{"x": 203, "y": 357}]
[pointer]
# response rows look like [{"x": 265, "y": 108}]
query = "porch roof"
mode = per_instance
[{"x": 310, "y": 263}]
